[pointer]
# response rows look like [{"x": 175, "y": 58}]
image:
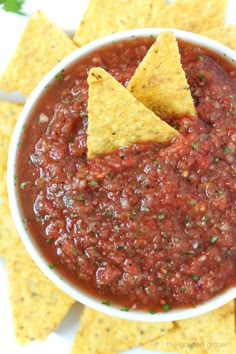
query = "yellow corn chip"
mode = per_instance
[
  {"x": 193, "y": 15},
  {"x": 103, "y": 334},
  {"x": 224, "y": 34},
  {"x": 159, "y": 82},
  {"x": 105, "y": 17},
  {"x": 213, "y": 332},
  {"x": 9, "y": 113},
  {"x": 117, "y": 119},
  {"x": 42, "y": 45},
  {"x": 8, "y": 116},
  {"x": 38, "y": 306}
]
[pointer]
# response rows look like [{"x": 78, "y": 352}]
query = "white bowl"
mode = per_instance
[{"x": 65, "y": 285}]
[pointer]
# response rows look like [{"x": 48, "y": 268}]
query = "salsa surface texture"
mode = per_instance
[{"x": 147, "y": 227}]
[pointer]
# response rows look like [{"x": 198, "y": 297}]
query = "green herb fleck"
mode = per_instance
[
  {"x": 80, "y": 197},
  {"x": 125, "y": 308},
  {"x": 93, "y": 183},
  {"x": 200, "y": 57},
  {"x": 205, "y": 218},
  {"x": 152, "y": 312},
  {"x": 106, "y": 302},
  {"x": 51, "y": 266},
  {"x": 194, "y": 145},
  {"x": 116, "y": 227},
  {"x": 59, "y": 77},
  {"x": 213, "y": 239},
  {"x": 14, "y": 6},
  {"x": 22, "y": 185},
  {"x": 166, "y": 307},
  {"x": 195, "y": 277},
  {"x": 49, "y": 240},
  {"x": 161, "y": 216},
  {"x": 144, "y": 208},
  {"x": 226, "y": 149}
]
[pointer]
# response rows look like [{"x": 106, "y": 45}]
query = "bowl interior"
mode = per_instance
[{"x": 33, "y": 250}]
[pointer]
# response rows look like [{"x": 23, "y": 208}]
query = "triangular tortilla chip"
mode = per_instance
[
  {"x": 9, "y": 113},
  {"x": 104, "y": 17},
  {"x": 100, "y": 333},
  {"x": 159, "y": 82},
  {"x": 38, "y": 306},
  {"x": 213, "y": 332},
  {"x": 224, "y": 34},
  {"x": 117, "y": 119},
  {"x": 42, "y": 45},
  {"x": 193, "y": 15}
]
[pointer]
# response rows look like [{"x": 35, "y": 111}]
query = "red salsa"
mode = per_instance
[{"x": 147, "y": 227}]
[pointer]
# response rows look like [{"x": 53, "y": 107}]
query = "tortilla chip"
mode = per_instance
[
  {"x": 42, "y": 45},
  {"x": 213, "y": 332},
  {"x": 38, "y": 306},
  {"x": 104, "y": 17},
  {"x": 9, "y": 113},
  {"x": 194, "y": 16},
  {"x": 117, "y": 119},
  {"x": 177, "y": 341},
  {"x": 224, "y": 34},
  {"x": 102, "y": 334},
  {"x": 159, "y": 82}
]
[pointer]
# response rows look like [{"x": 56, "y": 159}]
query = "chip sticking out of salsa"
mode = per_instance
[
  {"x": 104, "y": 17},
  {"x": 117, "y": 119},
  {"x": 224, "y": 34},
  {"x": 42, "y": 45},
  {"x": 159, "y": 82},
  {"x": 194, "y": 16},
  {"x": 95, "y": 327}
]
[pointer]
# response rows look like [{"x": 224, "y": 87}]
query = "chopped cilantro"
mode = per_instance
[
  {"x": 106, "y": 302},
  {"x": 195, "y": 277},
  {"x": 93, "y": 183},
  {"x": 226, "y": 149},
  {"x": 80, "y": 197},
  {"x": 144, "y": 208},
  {"x": 166, "y": 307},
  {"x": 205, "y": 218},
  {"x": 194, "y": 145},
  {"x": 161, "y": 216},
  {"x": 213, "y": 239},
  {"x": 22, "y": 185},
  {"x": 125, "y": 308},
  {"x": 51, "y": 266},
  {"x": 152, "y": 312},
  {"x": 14, "y": 6},
  {"x": 49, "y": 240},
  {"x": 200, "y": 57}
]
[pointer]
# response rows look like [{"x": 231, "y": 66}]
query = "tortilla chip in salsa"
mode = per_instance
[
  {"x": 104, "y": 17},
  {"x": 159, "y": 82},
  {"x": 224, "y": 34},
  {"x": 42, "y": 45},
  {"x": 117, "y": 119},
  {"x": 100, "y": 333},
  {"x": 193, "y": 15}
]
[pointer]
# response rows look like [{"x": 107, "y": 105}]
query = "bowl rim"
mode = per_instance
[{"x": 34, "y": 251}]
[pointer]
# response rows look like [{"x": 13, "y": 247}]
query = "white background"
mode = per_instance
[{"x": 67, "y": 14}]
